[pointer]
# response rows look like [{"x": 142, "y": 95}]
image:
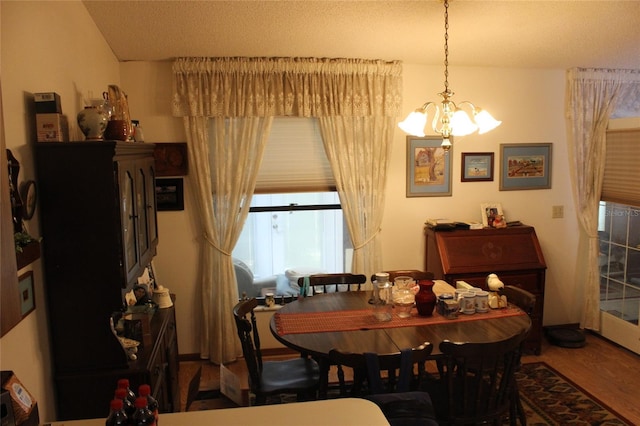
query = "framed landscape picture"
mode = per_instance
[
  {"x": 477, "y": 166},
  {"x": 525, "y": 166},
  {"x": 428, "y": 167}
]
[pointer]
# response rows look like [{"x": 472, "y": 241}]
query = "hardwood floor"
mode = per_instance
[{"x": 605, "y": 370}]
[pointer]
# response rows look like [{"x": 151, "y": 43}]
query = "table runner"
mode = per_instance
[{"x": 363, "y": 319}]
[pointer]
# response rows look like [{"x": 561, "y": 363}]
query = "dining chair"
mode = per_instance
[
  {"x": 477, "y": 382},
  {"x": 522, "y": 298},
  {"x": 400, "y": 400},
  {"x": 266, "y": 378},
  {"x": 526, "y": 301},
  {"x": 335, "y": 282}
]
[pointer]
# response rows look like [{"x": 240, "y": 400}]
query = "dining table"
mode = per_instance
[{"x": 345, "y": 321}]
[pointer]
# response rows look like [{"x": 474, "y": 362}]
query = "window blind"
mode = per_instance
[
  {"x": 294, "y": 159},
  {"x": 622, "y": 167}
]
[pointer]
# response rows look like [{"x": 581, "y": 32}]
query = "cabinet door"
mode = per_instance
[
  {"x": 128, "y": 201},
  {"x": 148, "y": 226}
]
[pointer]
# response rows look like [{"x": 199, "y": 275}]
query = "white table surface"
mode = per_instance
[{"x": 331, "y": 412}]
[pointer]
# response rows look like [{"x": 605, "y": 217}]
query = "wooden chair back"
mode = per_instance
[
  {"x": 523, "y": 299},
  {"x": 249, "y": 339},
  {"x": 399, "y": 368},
  {"x": 413, "y": 273},
  {"x": 335, "y": 282},
  {"x": 479, "y": 379}
]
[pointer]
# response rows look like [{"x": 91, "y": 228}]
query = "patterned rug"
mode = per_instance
[{"x": 549, "y": 399}]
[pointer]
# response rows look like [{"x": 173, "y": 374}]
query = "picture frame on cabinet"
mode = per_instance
[
  {"x": 169, "y": 194},
  {"x": 525, "y": 166},
  {"x": 477, "y": 167},
  {"x": 492, "y": 215},
  {"x": 428, "y": 167},
  {"x": 27, "y": 298}
]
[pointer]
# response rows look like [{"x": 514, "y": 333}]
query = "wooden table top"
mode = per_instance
[{"x": 388, "y": 340}]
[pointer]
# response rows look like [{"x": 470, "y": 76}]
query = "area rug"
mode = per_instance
[{"x": 548, "y": 398}]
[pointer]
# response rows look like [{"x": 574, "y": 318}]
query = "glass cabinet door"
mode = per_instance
[{"x": 129, "y": 220}]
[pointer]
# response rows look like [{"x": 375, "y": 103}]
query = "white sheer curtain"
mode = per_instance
[
  {"x": 366, "y": 91},
  {"x": 593, "y": 96},
  {"x": 360, "y": 169}
]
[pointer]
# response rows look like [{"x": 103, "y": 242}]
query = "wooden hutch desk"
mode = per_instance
[{"x": 512, "y": 253}]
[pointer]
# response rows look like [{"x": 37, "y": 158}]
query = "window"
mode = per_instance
[
  {"x": 297, "y": 230},
  {"x": 295, "y": 220},
  {"x": 619, "y": 231}
]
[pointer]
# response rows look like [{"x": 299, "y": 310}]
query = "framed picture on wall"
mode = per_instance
[
  {"x": 477, "y": 166},
  {"x": 169, "y": 194},
  {"x": 428, "y": 167},
  {"x": 525, "y": 166},
  {"x": 27, "y": 298}
]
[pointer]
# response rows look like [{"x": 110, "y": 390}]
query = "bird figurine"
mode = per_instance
[{"x": 494, "y": 285}]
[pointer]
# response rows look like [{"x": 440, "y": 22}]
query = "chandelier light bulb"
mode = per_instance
[
  {"x": 485, "y": 121},
  {"x": 414, "y": 123},
  {"x": 461, "y": 124}
]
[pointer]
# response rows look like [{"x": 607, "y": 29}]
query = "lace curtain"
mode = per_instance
[
  {"x": 234, "y": 90},
  {"x": 593, "y": 97}
]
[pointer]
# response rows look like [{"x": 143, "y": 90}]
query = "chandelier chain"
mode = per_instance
[{"x": 446, "y": 46}]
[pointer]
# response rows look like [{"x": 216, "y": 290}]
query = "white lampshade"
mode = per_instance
[
  {"x": 414, "y": 123},
  {"x": 485, "y": 121},
  {"x": 461, "y": 124}
]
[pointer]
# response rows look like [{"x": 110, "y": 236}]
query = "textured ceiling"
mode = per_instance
[{"x": 507, "y": 33}]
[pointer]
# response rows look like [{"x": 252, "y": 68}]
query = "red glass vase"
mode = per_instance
[{"x": 426, "y": 298}]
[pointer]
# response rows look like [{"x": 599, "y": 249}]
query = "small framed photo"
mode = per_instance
[
  {"x": 169, "y": 194},
  {"x": 27, "y": 298},
  {"x": 525, "y": 166},
  {"x": 492, "y": 215},
  {"x": 428, "y": 167},
  {"x": 477, "y": 166}
]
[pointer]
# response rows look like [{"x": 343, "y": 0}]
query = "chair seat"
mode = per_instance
[
  {"x": 292, "y": 375},
  {"x": 406, "y": 408}
]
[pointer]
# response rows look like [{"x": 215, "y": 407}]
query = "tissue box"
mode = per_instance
[
  {"x": 19, "y": 407},
  {"x": 48, "y": 103}
]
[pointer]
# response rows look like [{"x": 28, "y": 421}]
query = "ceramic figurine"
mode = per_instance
[{"x": 494, "y": 285}]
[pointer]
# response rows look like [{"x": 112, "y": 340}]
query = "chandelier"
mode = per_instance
[{"x": 449, "y": 119}]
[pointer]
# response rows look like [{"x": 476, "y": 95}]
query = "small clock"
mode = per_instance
[{"x": 29, "y": 196}]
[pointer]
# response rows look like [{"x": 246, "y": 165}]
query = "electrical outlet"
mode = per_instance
[{"x": 557, "y": 212}]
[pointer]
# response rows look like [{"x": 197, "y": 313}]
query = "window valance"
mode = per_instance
[{"x": 303, "y": 87}]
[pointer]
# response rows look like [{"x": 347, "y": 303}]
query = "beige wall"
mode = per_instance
[
  {"x": 71, "y": 58},
  {"x": 45, "y": 46}
]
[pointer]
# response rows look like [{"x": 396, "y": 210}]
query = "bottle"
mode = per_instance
[
  {"x": 143, "y": 416},
  {"x": 124, "y": 383},
  {"x": 117, "y": 416},
  {"x": 127, "y": 406},
  {"x": 152, "y": 403}
]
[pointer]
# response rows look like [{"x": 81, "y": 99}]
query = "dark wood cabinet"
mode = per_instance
[
  {"x": 512, "y": 253},
  {"x": 99, "y": 229}
]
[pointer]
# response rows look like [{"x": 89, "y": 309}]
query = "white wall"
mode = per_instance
[
  {"x": 67, "y": 54},
  {"x": 45, "y": 46}
]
